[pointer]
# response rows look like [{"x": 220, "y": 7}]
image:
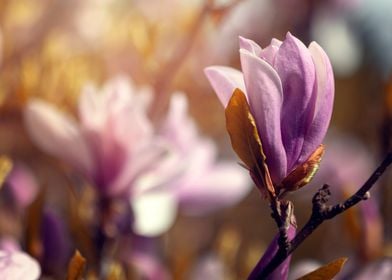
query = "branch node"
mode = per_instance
[
  {"x": 366, "y": 196},
  {"x": 320, "y": 199}
]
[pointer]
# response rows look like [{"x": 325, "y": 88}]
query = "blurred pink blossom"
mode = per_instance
[
  {"x": 112, "y": 139},
  {"x": 190, "y": 177},
  {"x": 117, "y": 147},
  {"x": 22, "y": 185}
]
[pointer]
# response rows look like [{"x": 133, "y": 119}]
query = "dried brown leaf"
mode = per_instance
[
  {"x": 5, "y": 168},
  {"x": 76, "y": 267},
  {"x": 245, "y": 139},
  {"x": 304, "y": 173},
  {"x": 326, "y": 272}
]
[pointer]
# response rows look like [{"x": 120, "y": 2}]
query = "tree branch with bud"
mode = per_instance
[{"x": 322, "y": 212}]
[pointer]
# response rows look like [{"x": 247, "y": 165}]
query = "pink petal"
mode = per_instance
[
  {"x": 250, "y": 46},
  {"x": 57, "y": 134},
  {"x": 265, "y": 99},
  {"x": 178, "y": 128},
  {"x": 224, "y": 80},
  {"x": 92, "y": 113},
  {"x": 223, "y": 185},
  {"x": 324, "y": 102},
  {"x": 295, "y": 67},
  {"x": 143, "y": 163},
  {"x": 269, "y": 52}
]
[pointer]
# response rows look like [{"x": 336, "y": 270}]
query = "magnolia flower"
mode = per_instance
[
  {"x": 190, "y": 178},
  {"x": 111, "y": 143},
  {"x": 115, "y": 145},
  {"x": 205, "y": 183},
  {"x": 18, "y": 265},
  {"x": 290, "y": 90}
]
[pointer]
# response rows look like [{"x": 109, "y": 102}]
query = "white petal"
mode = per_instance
[
  {"x": 18, "y": 265},
  {"x": 57, "y": 134},
  {"x": 155, "y": 213}
]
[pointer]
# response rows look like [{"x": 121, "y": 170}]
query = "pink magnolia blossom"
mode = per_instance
[
  {"x": 190, "y": 178},
  {"x": 290, "y": 90},
  {"x": 18, "y": 265},
  {"x": 116, "y": 146},
  {"x": 108, "y": 141},
  {"x": 205, "y": 184}
]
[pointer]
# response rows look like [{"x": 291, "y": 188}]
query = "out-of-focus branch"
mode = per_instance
[{"x": 168, "y": 71}]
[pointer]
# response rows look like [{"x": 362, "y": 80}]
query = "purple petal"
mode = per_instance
[
  {"x": 281, "y": 272},
  {"x": 250, "y": 46},
  {"x": 57, "y": 134},
  {"x": 295, "y": 67},
  {"x": 265, "y": 99},
  {"x": 56, "y": 245},
  {"x": 224, "y": 80},
  {"x": 324, "y": 101}
]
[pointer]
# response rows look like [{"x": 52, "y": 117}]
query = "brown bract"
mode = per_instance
[
  {"x": 303, "y": 173},
  {"x": 246, "y": 142},
  {"x": 76, "y": 267},
  {"x": 326, "y": 272}
]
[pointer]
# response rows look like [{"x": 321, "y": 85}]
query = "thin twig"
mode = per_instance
[
  {"x": 166, "y": 76},
  {"x": 322, "y": 212},
  {"x": 169, "y": 71}
]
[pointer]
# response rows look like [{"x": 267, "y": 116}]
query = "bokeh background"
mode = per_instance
[{"x": 51, "y": 48}]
